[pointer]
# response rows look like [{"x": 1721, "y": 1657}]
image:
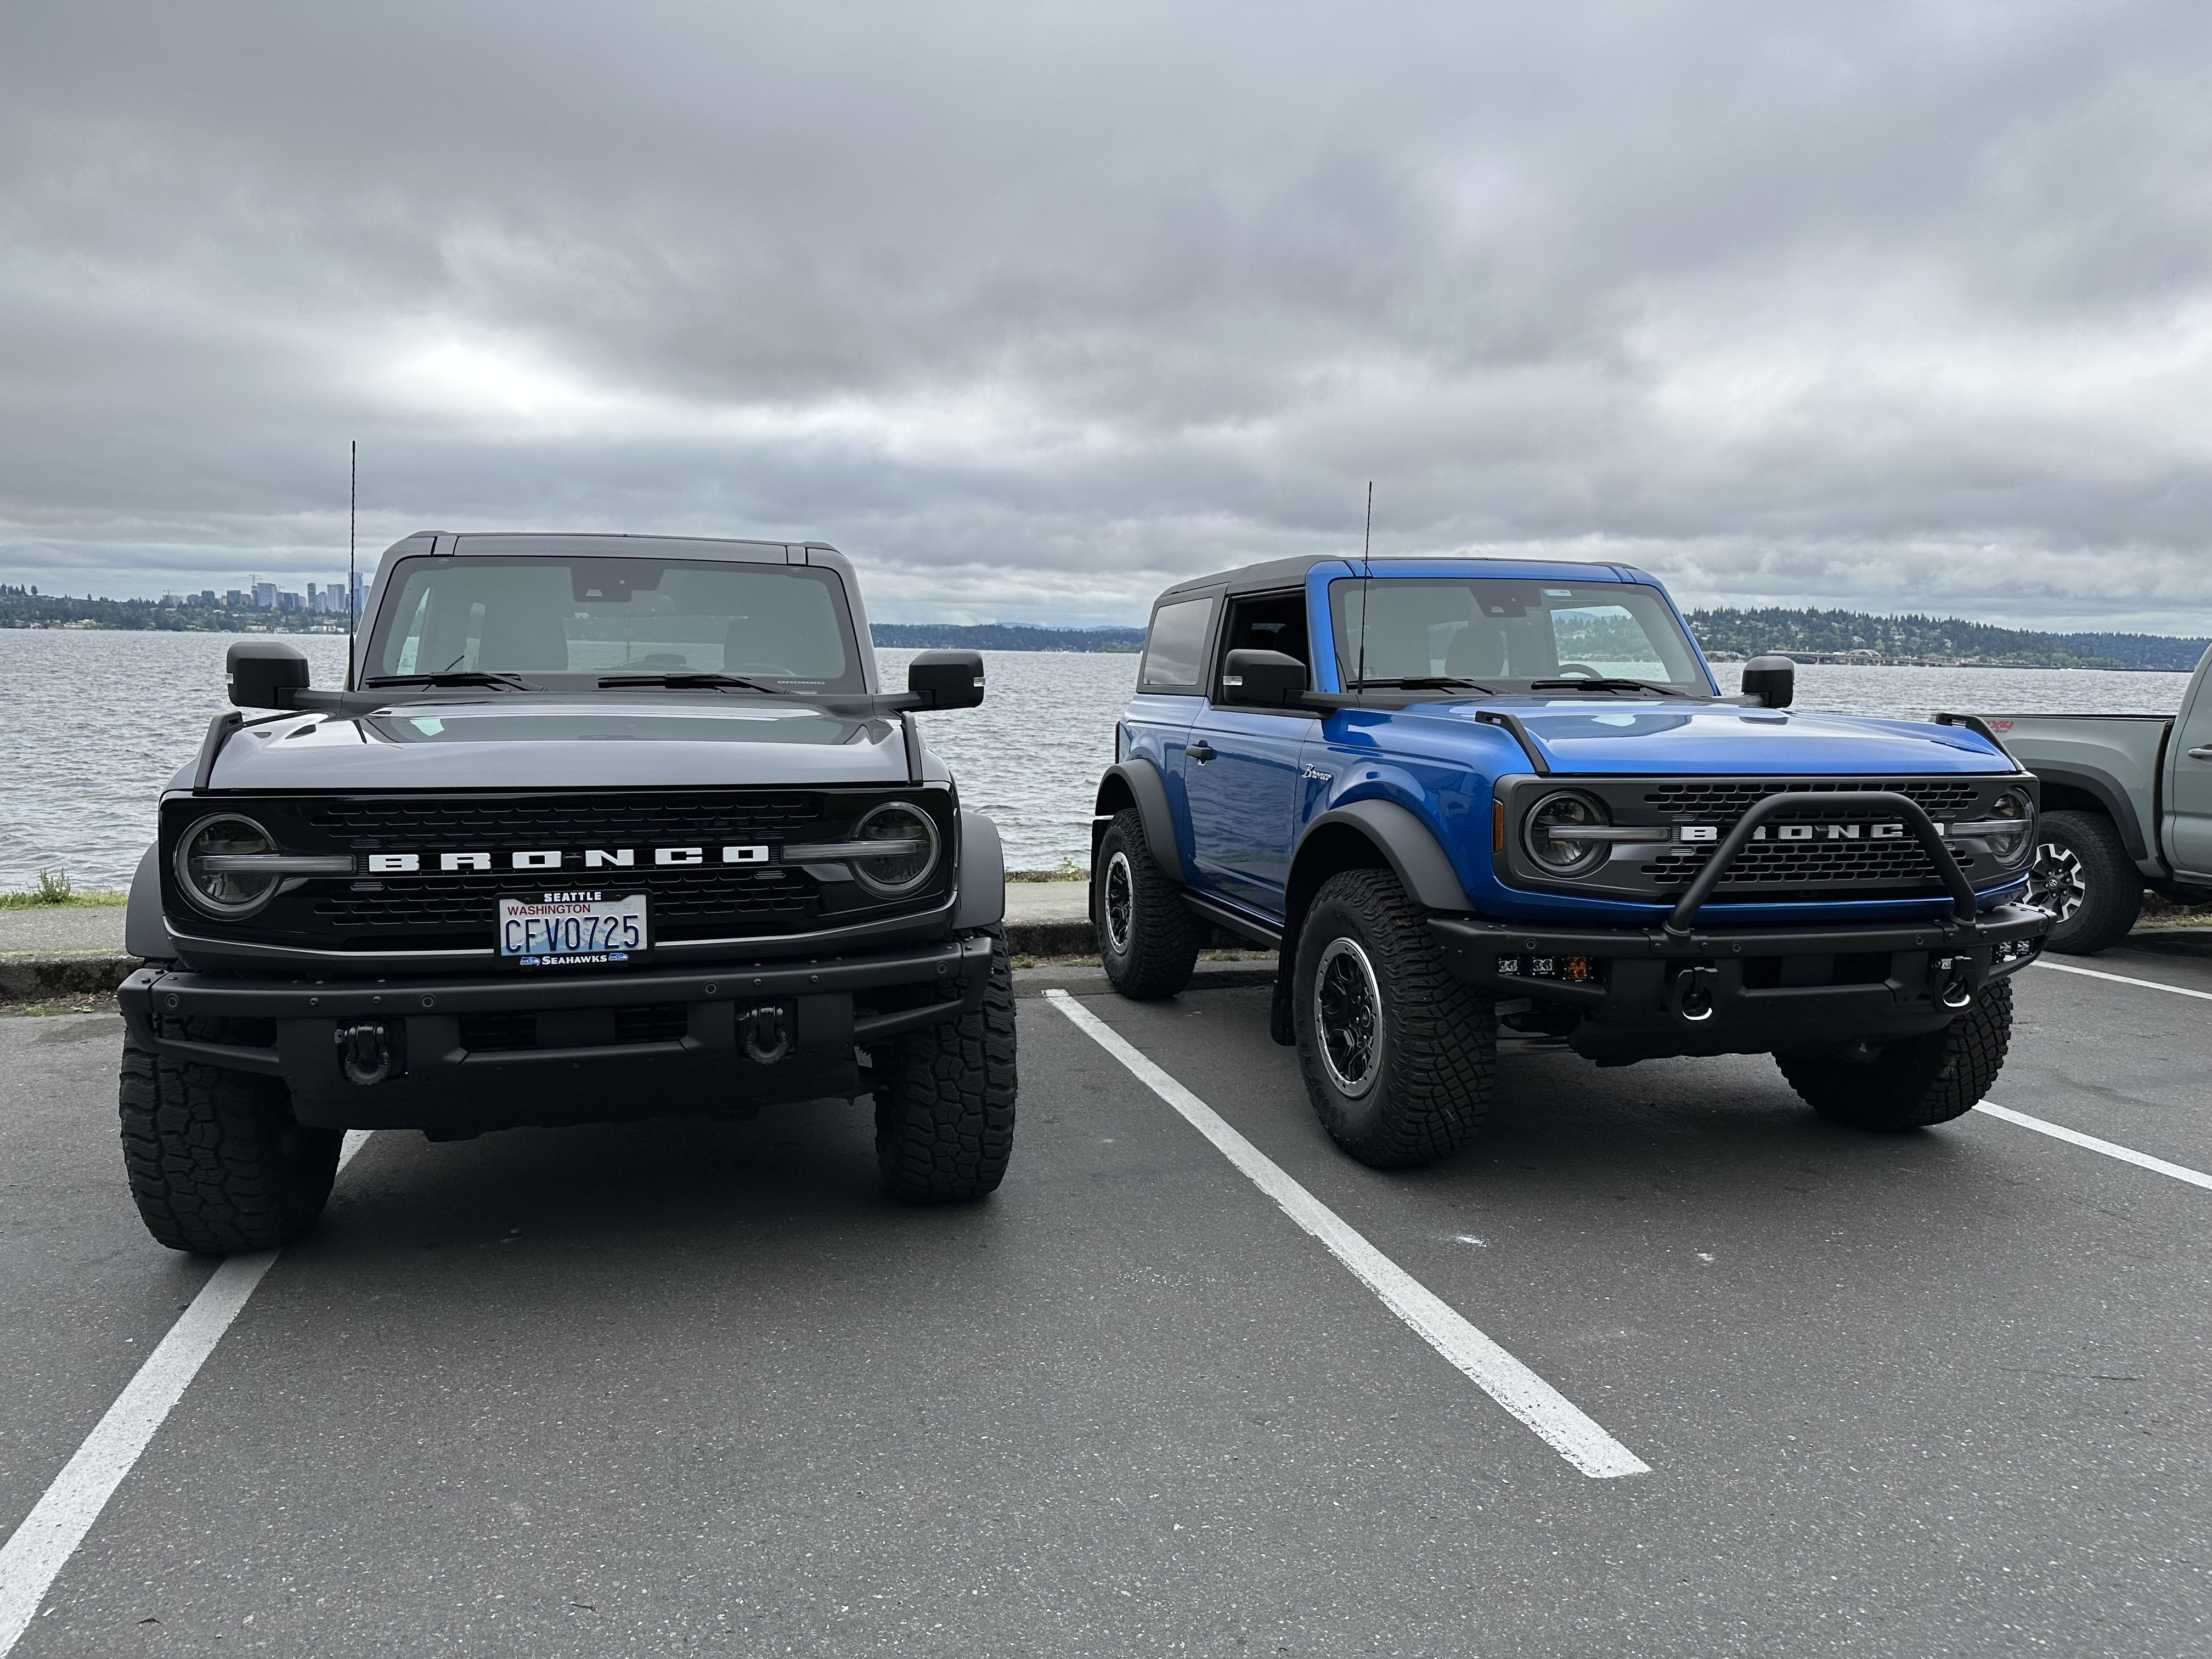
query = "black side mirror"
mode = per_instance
[
  {"x": 1772, "y": 679},
  {"x": 1269, "y": 678},
  {"x": 265, "y": 673},
  {"x": 946, "y": 679}
]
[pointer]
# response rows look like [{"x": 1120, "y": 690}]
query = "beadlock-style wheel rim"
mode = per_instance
[
  {"x": 2057, "y": 882},
  {"x": 1348, "y": 1018},
  {"x": 1119, "y": 904}
]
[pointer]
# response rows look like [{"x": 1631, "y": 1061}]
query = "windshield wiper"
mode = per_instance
[
  {"x": 1427, "y": 683},
  {"x": 680, "y": 681},
  {"x": 455, "y": 677},
  {"x": 1605, "y": 685}
]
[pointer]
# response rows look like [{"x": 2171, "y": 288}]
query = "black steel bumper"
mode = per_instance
[
  {"x": 1645, "y": 995},
  {"x": 435, "y": 1053}
]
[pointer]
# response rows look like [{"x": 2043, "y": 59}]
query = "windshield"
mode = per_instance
[
  {"x": 1505, "y": 635},
  {"x": 541, "y": 619}
]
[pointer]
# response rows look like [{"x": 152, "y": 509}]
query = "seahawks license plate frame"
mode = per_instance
[{"x": 590, "y": 928}]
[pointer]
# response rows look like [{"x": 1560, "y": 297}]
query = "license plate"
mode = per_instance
[{"x": 565, "y": 930}]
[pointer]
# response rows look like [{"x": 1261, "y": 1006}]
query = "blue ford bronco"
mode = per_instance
[{"x": 1458, "y": 795}]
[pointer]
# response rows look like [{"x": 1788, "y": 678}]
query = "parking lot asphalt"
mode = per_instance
[{"x": 698, "y": 1388}]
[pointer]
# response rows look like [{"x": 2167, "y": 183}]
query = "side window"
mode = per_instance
[
  {"x": 1176, "y": 644},
  {"x": 1270, "y": 621}
]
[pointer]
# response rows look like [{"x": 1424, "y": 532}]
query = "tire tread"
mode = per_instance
[{"x": 945, "y": 1110}]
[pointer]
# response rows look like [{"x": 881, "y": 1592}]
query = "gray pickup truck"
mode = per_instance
[
  {"x": 2127, "y": 805},
  {"x": 599, "y": 828}
]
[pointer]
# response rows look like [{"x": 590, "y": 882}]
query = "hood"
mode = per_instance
[
  {"x": 514, "y": 744},
  {"x": 1615, "y": 735}
]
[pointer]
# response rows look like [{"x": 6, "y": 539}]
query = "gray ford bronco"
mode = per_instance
[{"x": 600, "y": 828}]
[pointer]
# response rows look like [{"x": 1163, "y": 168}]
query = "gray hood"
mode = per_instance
[{"x": 513, "y": 743}]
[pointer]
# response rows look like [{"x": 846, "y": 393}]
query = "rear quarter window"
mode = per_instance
[{"x": 1175, "y": 646}]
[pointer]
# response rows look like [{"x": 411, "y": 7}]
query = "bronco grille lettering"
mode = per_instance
[{"x": 552, "y": 858}]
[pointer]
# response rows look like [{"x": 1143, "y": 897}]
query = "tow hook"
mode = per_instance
[
  {"x": 1956, "y": 992},
  {"x": 364, "y": 1053},
  {"x": 1689, "y": 996},
  {"x": 764, "y": 1031}
]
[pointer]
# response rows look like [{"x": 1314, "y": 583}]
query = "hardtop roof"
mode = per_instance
[{"x": 1292, "y": 573}]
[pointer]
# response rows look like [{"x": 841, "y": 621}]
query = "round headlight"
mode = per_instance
[
  {"x": 211, "y": 879},
  {"x": 2012, "y": 807},
  {"x": 909, "y": 840},
  {"x": 1550, "y": 835}
]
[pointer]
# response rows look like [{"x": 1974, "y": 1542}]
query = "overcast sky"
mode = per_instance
[{"x": 1032, "y": 308}]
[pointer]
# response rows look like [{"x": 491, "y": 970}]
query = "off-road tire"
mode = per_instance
[
  {"x": 2112, "y": 888},
  {"x": 944, "y": 1106},
  {"x": 1163, "y": 937},
  {"x": 1914, "y": 1083},
  {"x": 1439, "y": 1037},
  {"x": 216, "y": 1160}
]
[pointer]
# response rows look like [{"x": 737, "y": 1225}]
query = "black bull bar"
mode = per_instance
[
  {"x": 1963, "y": 903},
  {"x": 1648, "y": 990}
]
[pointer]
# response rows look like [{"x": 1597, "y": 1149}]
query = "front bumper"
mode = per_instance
[
  {"x": 455, "y": 1056},
  {"x": 1643, "y": 994}
]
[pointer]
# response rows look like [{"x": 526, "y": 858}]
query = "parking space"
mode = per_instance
[{"x": 696, "y": 1387}]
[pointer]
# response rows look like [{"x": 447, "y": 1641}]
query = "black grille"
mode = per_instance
[
  {"x": 432, "y": 910},
  {"x": 1815, "y": 848},
  {"x": 681, "y": 903},
  {"x": 368, "y": 824},
  {"x": 1727, "y": 801},
  {"x": 1808, "y": 866}
]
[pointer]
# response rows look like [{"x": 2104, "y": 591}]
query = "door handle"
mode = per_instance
[
  {"x": 2203, "y": 751},
  {"x": 1200, "y": 752}
]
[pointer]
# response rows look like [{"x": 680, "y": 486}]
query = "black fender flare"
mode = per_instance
[
  {"x": 1149, "y": 790},
  {"x": 145, "y": 933},
  {"x": 2104, "y": 789},
  {"x": 982, "y": 873},
  {"x": 1407, "y": 846}
]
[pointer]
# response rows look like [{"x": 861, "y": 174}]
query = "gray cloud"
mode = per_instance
[{"x": 1031, "y": 309}]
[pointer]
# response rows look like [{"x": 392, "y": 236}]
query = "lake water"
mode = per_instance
[{"x": 95, "y": 723}]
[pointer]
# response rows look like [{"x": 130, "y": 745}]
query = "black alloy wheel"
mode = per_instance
[{"x": 1348, "y": 1018}]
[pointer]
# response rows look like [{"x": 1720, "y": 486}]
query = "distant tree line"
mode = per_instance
[
  {"x": 21, "y": 608},
  {"x": 1934, "y": 639},
  {"x": 1003, "y": 636}
]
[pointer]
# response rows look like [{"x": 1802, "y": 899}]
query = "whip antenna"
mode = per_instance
[
  {"x": 1367, "y": 566},
  {"x": 352, "y": 511}
]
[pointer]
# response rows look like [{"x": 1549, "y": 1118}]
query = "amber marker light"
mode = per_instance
[{"x": 1496, "y": 826}]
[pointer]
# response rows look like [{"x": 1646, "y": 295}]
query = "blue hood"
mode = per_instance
[{"x": 1618, "y": 735}]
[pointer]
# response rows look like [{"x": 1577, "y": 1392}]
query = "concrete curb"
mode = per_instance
[{"x": 25, "y": 979}]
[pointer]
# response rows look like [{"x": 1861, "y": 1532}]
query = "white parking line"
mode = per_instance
[
  {"x": 1556, "y": 1419},
  {"x": 2110, "y": 1149},
  {"x": 2122, "y": 978},
  {"x": 36, "y": 1551}
]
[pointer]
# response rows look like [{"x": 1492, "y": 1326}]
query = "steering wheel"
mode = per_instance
[
  {"x": 1582, "y": 668},
  {"x": 776, "y": 668}
]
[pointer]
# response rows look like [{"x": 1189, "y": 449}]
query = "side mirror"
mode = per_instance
[
  {"x": 263, "y": 674},
  {"x": 946, "y": 679},
  {"x": 1772, "y": 679},
  {"x": 1268, "y": 678}
]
